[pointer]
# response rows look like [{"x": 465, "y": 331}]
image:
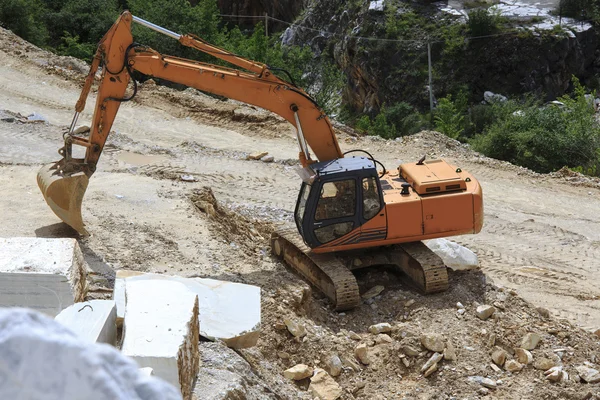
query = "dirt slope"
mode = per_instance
[{"x": 540, "y": 239}]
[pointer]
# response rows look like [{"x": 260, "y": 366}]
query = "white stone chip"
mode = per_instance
[
  {"x": 161, "y": 330},
  {"x": 46, "y": 275},
  {"x": 94, "y": 320},
  {"x": 229, "y": 312},
  {"x": 455, "y": 256}
]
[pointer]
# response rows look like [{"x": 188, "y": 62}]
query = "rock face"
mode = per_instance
[
  {"x": 93, "y": 320},
  {"x": 46, "y": 275},
  {"x": 58, "y": 364},
  {"x": 229, "y": 311},
  {"x": 379, "y": 73},
  {"x": 161, "y": 330}
]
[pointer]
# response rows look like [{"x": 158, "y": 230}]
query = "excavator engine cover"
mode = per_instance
[
  {"x": 64, "y": 194},
  {"x": 435, "y": 176}
]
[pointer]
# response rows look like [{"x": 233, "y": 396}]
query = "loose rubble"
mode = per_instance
[
  {"x": 298, "y": 372},
  {"x": 323, "y": 386}
]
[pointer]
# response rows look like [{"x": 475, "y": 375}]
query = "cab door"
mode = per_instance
[{"x": 335, "y": 212}]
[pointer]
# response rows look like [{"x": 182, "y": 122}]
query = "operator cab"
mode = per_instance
[{"x": 337, "y": 197}]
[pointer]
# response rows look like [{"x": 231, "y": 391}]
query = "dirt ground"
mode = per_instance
[{"x": 540, "y": 245}]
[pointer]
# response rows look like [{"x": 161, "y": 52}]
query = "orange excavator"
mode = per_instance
[{"x": 348, "y": 214}]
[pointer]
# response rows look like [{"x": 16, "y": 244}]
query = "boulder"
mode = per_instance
[
  {"x": 161, "y": 330},
  {"x": 58, "y": 364},
  {"x": 93, "y": 320},
  {"x": 455, "y": 256},
  {"x": 323, "y": 386},
  {"x": 229, "y": 312},
  {"x": 46, "y": 275},
  {"x": 492, "y": 98}
]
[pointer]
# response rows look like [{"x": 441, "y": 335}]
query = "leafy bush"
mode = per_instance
[
  {"x": 72, "y": 47},
  {"x": 545, "y": 138},
  {"x": 482, "y": 22},
  {"x": 448, "y": 119}
]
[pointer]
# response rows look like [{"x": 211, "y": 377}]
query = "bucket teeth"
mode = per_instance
[{"x": 64, "y": 194}]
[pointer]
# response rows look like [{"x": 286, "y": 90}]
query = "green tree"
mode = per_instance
[
  {"x": 25, "y": 18},
  {"x": 448, "y": 118}
]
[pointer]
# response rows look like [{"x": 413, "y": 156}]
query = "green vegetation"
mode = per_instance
[{"x": 400, "y": 119}]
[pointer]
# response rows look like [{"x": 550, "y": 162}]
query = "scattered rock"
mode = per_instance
[
  {"x": 295, "y": 328},
  {"x": 524, "y": 356},
  {"x": 409, "y": 303},
  {"x": 430, "y": 370},
  {"x": 449, "y": 352},
  {"x": 35, "y": 117},
  {"x": 589, "y": 375},
  {"x": 410, "y": 351},
  {"x": 267, "y": 159},
  {"x": 298, "y": 372},
  {"x": 433, "y": 360},
  {"x": 513, "y": 366},
  {"x": 495, "y": 368},
  {"x": 555, "y": 374},
  {"x": 543, "y": 312},
  {"x": 485, "y": 311},
  {"x": 433, "y": 342},
  {"x": 455, "y": 256},
  {"x": 459, "y": 306},
  {"x": 491, "y": 97},
  {"x": 383, "y": 338},
  {"x": 543, "y": 364},
  {"x": 380, "y": 328},
  {"x": 373, "y": 292},
  {"x": 530, "y": 341},
  {"x": 257, "y": 156},
  {"x": 362, "y": 353},
  {"x": 499, "y": 356},
  {"x": 324, "y": 386},
  {"x": 485, "y": 382},
  {"x": 350, "y": 364},
  {"x": 188, "y": 178},
  {"x": 334, "y": 365},
  {"x": 354, "y": 336}
]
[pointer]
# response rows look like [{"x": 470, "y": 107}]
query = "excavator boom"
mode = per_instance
[{"x": 64, "y": 182}]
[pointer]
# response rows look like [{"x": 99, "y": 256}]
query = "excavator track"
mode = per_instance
[
  {"x": 325, "y": 271},
  {"x": 331, "y": 273}
]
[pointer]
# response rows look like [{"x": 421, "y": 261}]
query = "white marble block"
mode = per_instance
[
  {"x": 94, "y": 320},
  {"x": 160, "y": 330},
  {"x": 46, "y": 275},
  {"x": 229, "y": 311}
]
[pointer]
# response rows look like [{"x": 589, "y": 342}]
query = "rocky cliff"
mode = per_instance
[
  {"x": 286, "y": 10},
  {"x": 394, "y": 68}
]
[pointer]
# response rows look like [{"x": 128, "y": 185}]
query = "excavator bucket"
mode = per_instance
[{"x": 64, "y": 194}]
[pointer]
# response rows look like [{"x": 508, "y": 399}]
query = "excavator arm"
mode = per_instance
[{"x": 64, "y": 183}]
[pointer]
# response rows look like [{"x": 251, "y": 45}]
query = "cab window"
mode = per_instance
[{"x": 337, "y": 200}]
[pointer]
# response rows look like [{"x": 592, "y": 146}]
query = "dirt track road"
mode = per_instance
[{"x": 541, "y": 234}]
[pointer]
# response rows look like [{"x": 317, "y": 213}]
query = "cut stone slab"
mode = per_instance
[
  {"x": 94, "y": 320},
  {"x": 46, "y": 275},
  {"x": 161, "y": 330},
  {"x": 42, "y": 359},
  {"x": 229, "y": 312}
]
